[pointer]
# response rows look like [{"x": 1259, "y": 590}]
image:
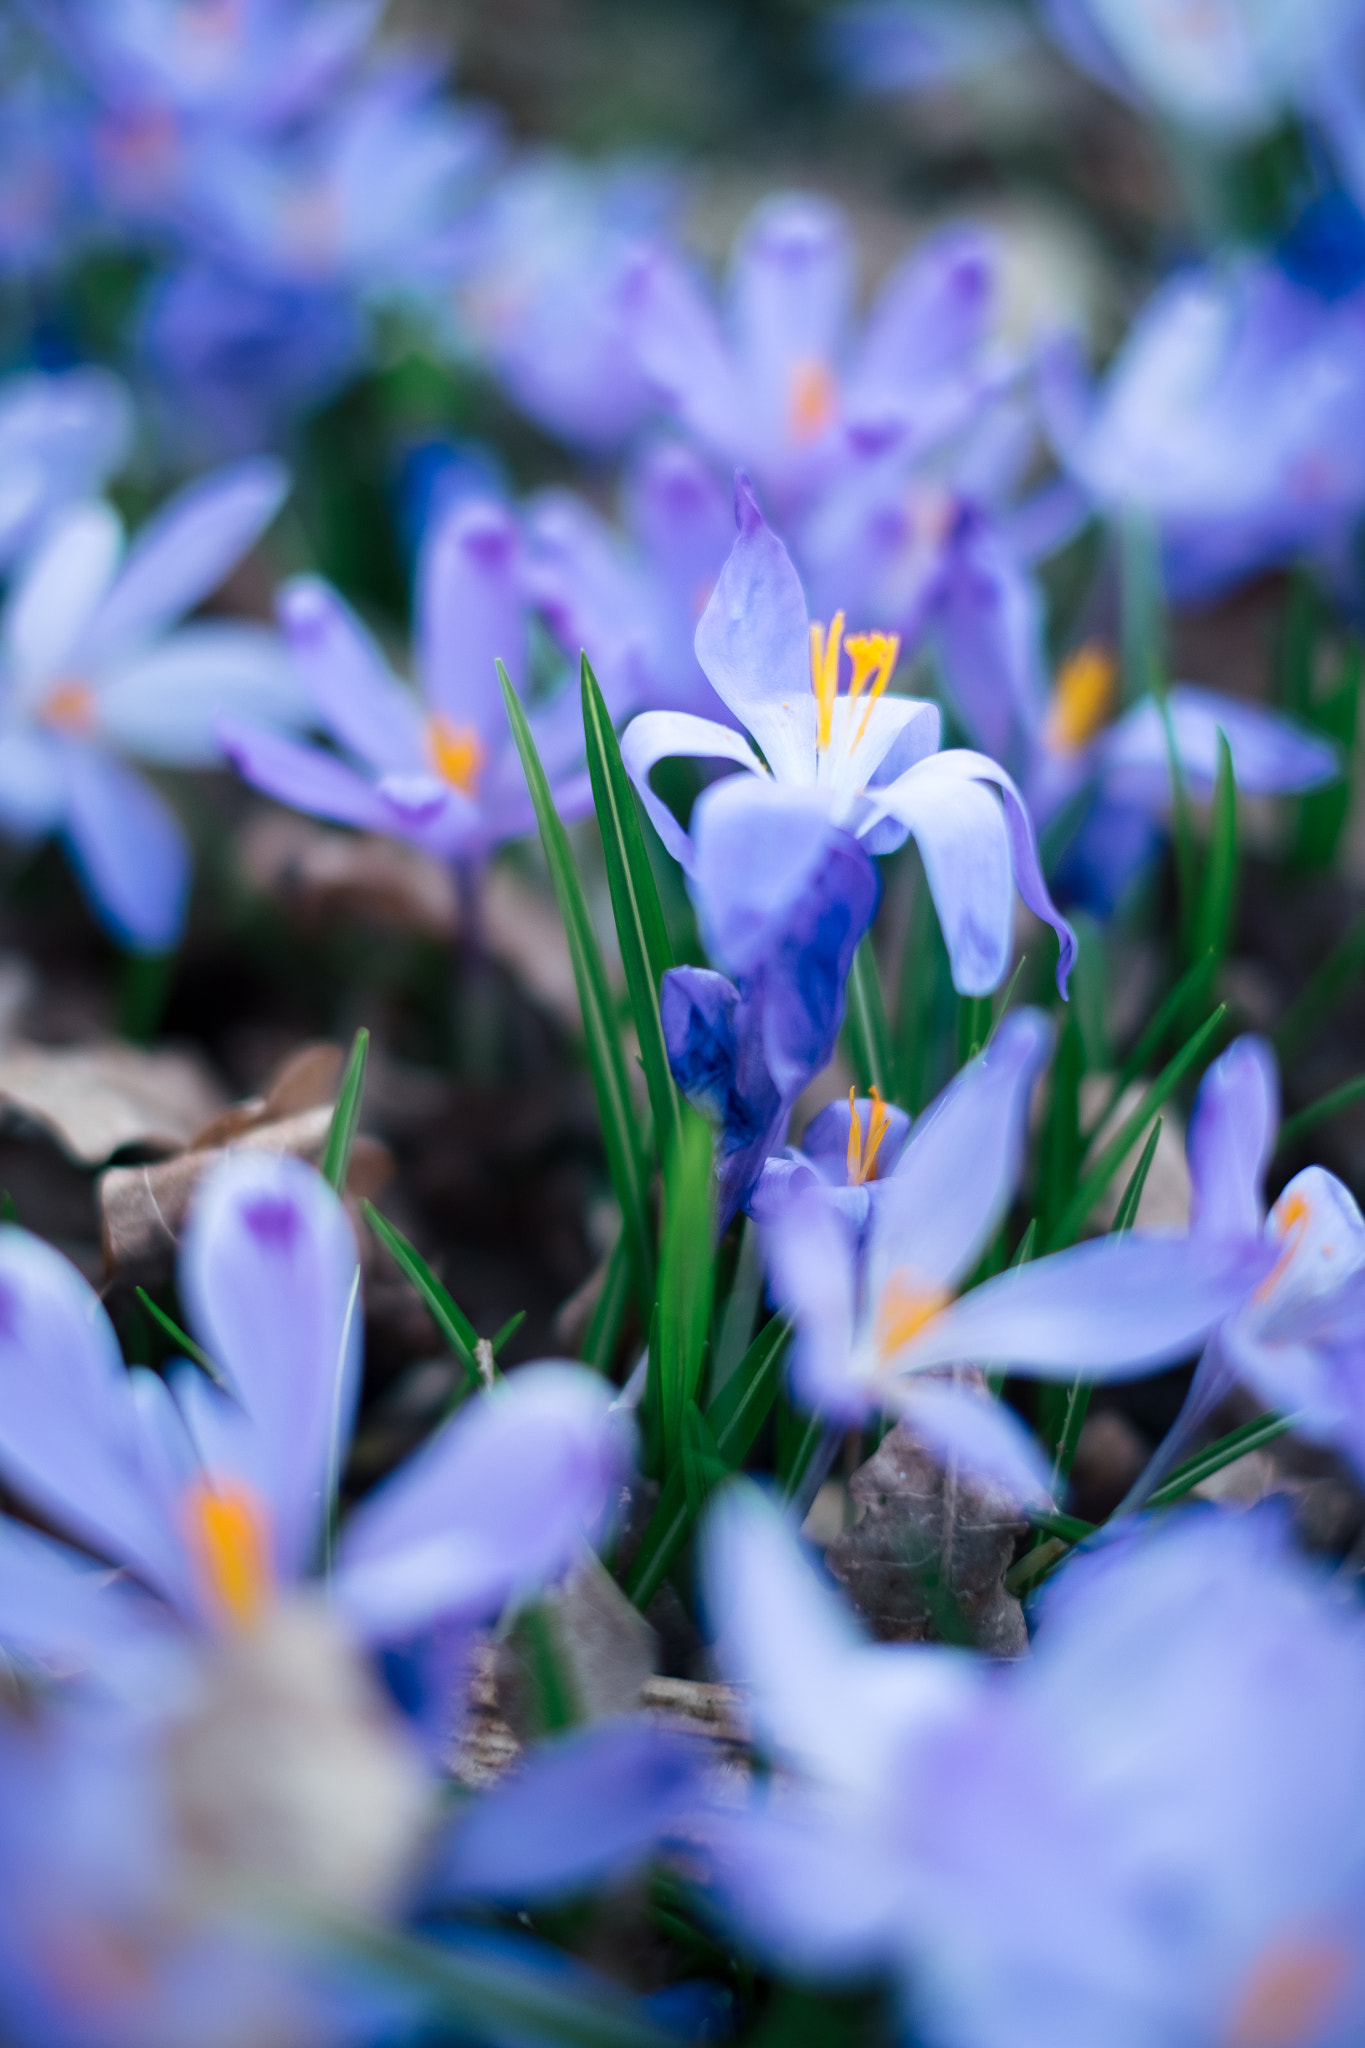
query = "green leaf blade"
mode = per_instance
[{"x": 336, "y": 1160}]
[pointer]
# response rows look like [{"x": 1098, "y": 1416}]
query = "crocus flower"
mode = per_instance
[
  {"x": 1232, "y": 417},
  {"x": 61, "y": 436},
  {"x": 777, "y": 385},
  {"x": 869, "y": 759},
  {"x": 633, "y": 607},
  {"x": 91, "y": 672},
  {"x": 441, "y": 770},
  {"x": 1147, "y": 1831},
  {"x": 848, "y": 1148}
]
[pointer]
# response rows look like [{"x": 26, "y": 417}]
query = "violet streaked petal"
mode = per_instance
[
  {"x": 583, "y": 1810},
  {"x": 163, "y": 704},
  {"x": 753, "y": 642},
  {"x": 303, "y": 777},
  {"x": 757, "y": 847},
  {"x": 128, "y": 848},
  {"x": 470, "y": 614},
  {"x": 979, "y": 1436},
  {"x": 58, "y": 594},
  {"x": 1114, "y": 1307},
  {"x": 184, "y": 553},
  {"x": 496, "y": 1504},
  {"x": 660, "y": 736},
  {"x": 1231, "y": 1138},
  {"x": 347, "y": 677},
  {"x": 270, "y": 1277}
]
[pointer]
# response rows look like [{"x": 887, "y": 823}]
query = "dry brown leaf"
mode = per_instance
[
  {"x": 319, "y": 873},
  {"x": 97, "y": 1098}
]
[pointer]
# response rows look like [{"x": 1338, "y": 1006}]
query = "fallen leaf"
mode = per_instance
[
  {"x": 319, "y": 874},
  {"x": 95, "y": 1099}
]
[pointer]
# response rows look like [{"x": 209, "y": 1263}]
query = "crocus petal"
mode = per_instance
[
  {"x": 497, "y": 1503},
  {"x": 924, "y": 328},
  {"x": 32, "y": 784},
  {"x": 1271, "y": 756},
  {"x": 660, "y": 735},
  {"x": 469, "y": 614},
  {"x": 1231, "y": 1137},
  {"x": 981, "y": 1437},
  {"x": 716, "y": 1054},
  {"x": 585, "y": 1809},
  {"x": 1214, "y": 1378},
  {"x": 270, "y": 1276},
  {"x": 59, "y": 592},
  {"x": 164, "y": 703},
  {"x": 1114, "y": 1306},
  {"x": 303, "y": 777},
  {"x": 811, "y": 1264},
  {"x": 789, "y": 294},
  {"x": 959, "y": 1173},
  {"x": 681, "y": 349},
  {"x": 825, "y": 1138},
  {"x": 184, "y": 553},
  {"x": 753, "y": 642},
  {"x": 988, "y": 620},
  {"x": 129, "y": 850},
  {"x": 70, "y": 1440},
  {"x": 66, "y": 1613},
  {"x": 347, "y": 677}
]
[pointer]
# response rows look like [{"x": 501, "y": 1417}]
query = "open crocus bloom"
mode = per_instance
[
  {"x": 91, "y": 672},
  {"x": 869, "y": 759},
  {"x": 1063, "y": 1850},
  {"x": 441, "y": 769},
  {"x": 214, "y": 1498},
  {"x": 849, "y": 1149}
]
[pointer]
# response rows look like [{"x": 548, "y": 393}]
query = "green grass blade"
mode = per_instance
[
  {"x": 640, "y": 929},
  {"x": 507, "y": 1332},
  {"x": 1061, "y": 1150},
  {"x": 1319, "y": 1111},
  {"x": 336, "y": 1160},
  {"x": 686, "y": 1278},
  {"x": 1212, "y": 924},
  {"x": 605, "y": 1059},
  {"x": 1250, "y": 1437},
  {"x": 974, "y": 1025},
  {"x": 1188, "y": 991},
  {"x": 734, "y": 1419},
  {"x": 1323, "y": 812},
  {"x": 1070, "y": 1528},
  {"x": 867, "y": 1030},
  {"x": 1128, "y": 1204},
  {"x": 181, "y": 1338},
  {"x": 603, "y": 1333},
  {"x": 1123, "y": 1140},
  {"x": 453, "y": 1324}
]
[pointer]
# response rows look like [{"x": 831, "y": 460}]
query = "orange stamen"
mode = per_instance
[
  {"x": 810, "y": 404},
  {"x": 875, "y": 655},
  {"x": 862, "y": 1160},
  {"x": 1290, "y": 1995},
  {"x": 1082, "y": 699},
  {"x": 1290, "y": 1219},
  {"x": 227, "y": 1534},
  {"x": 903, "y": 1312},
  {"x": 824, "y": 674},
  {"x": 457, "y": 753},
  {"x": 70, "y": 706}
]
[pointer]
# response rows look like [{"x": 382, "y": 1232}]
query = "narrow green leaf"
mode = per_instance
[
  {"x": 1319, "y": 1111},
  {"x": 336, "y": 1160},
  {"x": 1250, "y": 1437},
  {"x": 1187, "y": 994},
  {"x": 453, "y": 1324},
  {"x": 867, "y": 1029},
  {"x": 603, "y": 1333},
  {"x": 1070, "y": 1528},
  {"x": 1123, "y": 1140},
  {"x": 179, "y": 1337},
  {"x": 1137, "y": 1181},
  {"x": 974, "y": 1025},
  {"x": 734, "y": 1417},
  {"x": 1000, "y": 1005},
  {"x": 606, "y": 1062},
  {"x": 1024, "y": 1252},
  {"x": 1300, "y": 627},
  {"x": 507, "y": 1332},
  {"x": 686, "y": 1276},
  {"x": 807, "y": 1444},
  {"x": 1212, "y": 924},
  {"x": 1323, "y": 812},
  {"x": 1061, "y": 1150},
  {"x": 703, "y": 1467},
  {"x": 1182, "y": 829},
  {"x": 1325, "y": 988},
  {"x": 640, "y": 929}
]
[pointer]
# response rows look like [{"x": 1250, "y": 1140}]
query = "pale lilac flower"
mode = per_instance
[
  {"x": 442, "y": 769},
  {"x": 61, "y": 435},
  {"x": 93, "y": 667}
]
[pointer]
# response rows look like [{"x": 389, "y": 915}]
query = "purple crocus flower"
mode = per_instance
[
  {"x": 848, "y": 1149},
  {"x": 869, "y": 760},
  {"x": 61, "y": 436},
  {"x": 441, "y": 770},
  {"x": 1147, "y": 1831},
  {"x": 634, "y": 607},
  {"x": 778, "y": 386},
  {"x": 90, "y": 672},
  {"x": 1232, "y": 417}
]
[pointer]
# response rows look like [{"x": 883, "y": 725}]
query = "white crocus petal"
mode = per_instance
[
  {"x": 863, "y": 734},
  {"x": 163, "y": 705},
  {"x": 58, "y": 595},
  {"x": 660, "y": 736}
]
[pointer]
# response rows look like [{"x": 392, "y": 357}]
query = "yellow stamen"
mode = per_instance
[
  {"x": 457, "y": 753},
  {"x": 810, "y": 402},
  {"x": 1082, "y": 699},
  {"x": 904, "y": 1310},
  {"x": 1290, "y": 1219},
  {"x": 862, "y": 1161},
  {"x": 227, "y": 1534},
  {"x": 1290, "y": 1995},
  {"x": 70, "y": 706},
  {"x": 875, "y": 655},
  {"x": 824, "y": 674}
]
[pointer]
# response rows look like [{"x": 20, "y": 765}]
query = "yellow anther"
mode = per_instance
[
  {"x": 457, "y": 753},
  {"x": 810, "y": 400},
  {"x": 1290, "y": 1995},
  {"x": 227, "y": 1535},
  {"x": 1082, "y": 699},
  {"x": 824, "y": 674},
  {"x": 862, "y": 1159},
  {"x": 70, "y": 706},
  {"x": 1290, "y": 1220},
  {"x": 874, "y": 655},
  {"x": 903, "y": 1311}
]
